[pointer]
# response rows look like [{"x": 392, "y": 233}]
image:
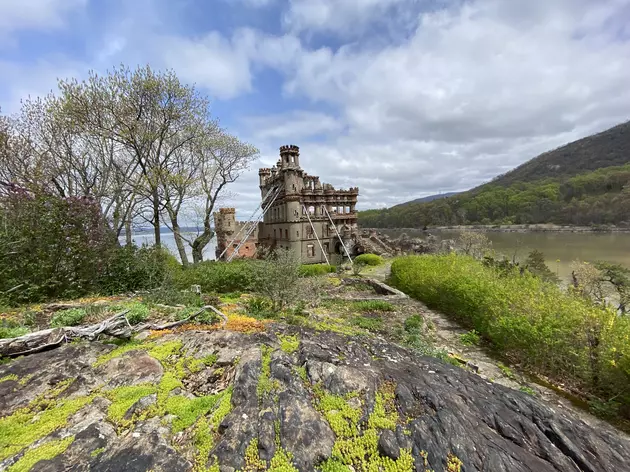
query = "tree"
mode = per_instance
[
  {"x": 277, "y": 277},
  {"x": 619, "y": 279},
  {"x": 152, "y": 115},
  {"x": 474, "y": 243},
  {"x": 49, "y": 154},
  {"x": 222, "y": 159},
  {"x": 535, "y": 263}
]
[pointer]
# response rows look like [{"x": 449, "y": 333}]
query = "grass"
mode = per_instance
[
  {"x": 289, "y": 344},
  {"x": 367, "y": 306},
  {"x": 313, "y": 270},
  {"x": 471, "y": 338},
  {"x": 373, "y": 324},
  {"x": 369, "y": 259},
  {"x": 70, "y": 317}
]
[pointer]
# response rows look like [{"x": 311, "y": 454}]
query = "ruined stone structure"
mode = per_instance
[{"x": 303, "y": 214}]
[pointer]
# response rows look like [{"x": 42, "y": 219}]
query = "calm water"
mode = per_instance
[
  {"x": 168, "y": 241},
  {"x": 562, "y": 247}
]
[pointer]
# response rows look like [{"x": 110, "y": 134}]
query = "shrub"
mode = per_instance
[
  {"x": 218, "y": 277},
  {"x": 366, "y": 306},
  {"x": 413, "y": 323},
  {"x": 70, "y": 317},
  {"x": 471, "y": 338},
  {"x": 137, "y": 312},
  {"x": 311, "y": 270},
  {"x": 259, "y": 307},
  {"x": 277, "y": 278},
  {"x": 369, "y": 323},
  {"x": 369, "y": 259},
  {"x": 533, "y": 322},
  {"x": 11, "y": 329}
]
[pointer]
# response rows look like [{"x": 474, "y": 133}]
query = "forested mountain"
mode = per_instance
[
  {"x": 430, "y": 198},
  {"x": 586, "y": 182}
]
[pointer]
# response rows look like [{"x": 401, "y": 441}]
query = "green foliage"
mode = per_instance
[
  {"x": 471, "y": 338},
  {"x": 70, "y": 317},
  {"x": 312, "y": 270},
  {"x": 218, "y": 277},
  {"x": 277, "y": 278},
  {"x": 187, "y": 411},
  {"x": 367, "y": 322},
  {"x": 169, "y": 295},
  {"x": 535, "y": 263},
  {"x": 533, "y": 322},
  {"x": 125, "y": 397},
  {"x": 281, "y": 461},
  {"x": 594, "y": 197},
  {"x": 527, "y": 390},
  {"x": 413, "y": 323},
  {"x": 46, "y": 451},
  {"x": 265, "y": 386},
  {"x": 28, "y": 425},
  {"x": 260, "y": 308},
  {"x": 384, "y": 415},
  {"x": 253, "y": 462},
  {"x": 97, "y": 452},
  {"x": 369, "y": 259},
  {"x": 368, "y": 306},
  {"x": 11, "y": 329},
  {"x": 138, "y": 312},
  {"x": 288, "y": 343},
  {"x": 210, "y": 359}
]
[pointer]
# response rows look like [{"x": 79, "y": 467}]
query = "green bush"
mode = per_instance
[
  {"x": 369, "y": 259},
  {"x": 532, "y": 322},
  {"x": 70, "y": 317},
  {"x": 137, "y": 313},
  {"x": 471, "y": 338},
  {"x": 366, "y": 306},
  {"x": 259, "y": 307},
  {"x": 217, "y": 277},
  {"x": 369, "y": 323},
  {"x": 311, "y": 270},
  {"x": 11, "y": 329},
  {"x": 413, "y": 323}
]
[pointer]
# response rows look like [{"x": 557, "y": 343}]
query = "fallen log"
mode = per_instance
[{"x": 117, "y": 326}]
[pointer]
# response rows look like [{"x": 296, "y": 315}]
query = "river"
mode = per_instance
[
  {"x": 168, "y": 241},
  {"x": 560, "y": 249}
]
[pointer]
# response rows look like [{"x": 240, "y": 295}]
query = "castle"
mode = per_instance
[{"x": 300, "y": 213}]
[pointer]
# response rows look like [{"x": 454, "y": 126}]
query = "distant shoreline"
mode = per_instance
[{"x": 534, "y": 228}]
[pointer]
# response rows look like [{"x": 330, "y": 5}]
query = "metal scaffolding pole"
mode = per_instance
[
  {"x": 251, "y": 230},
  {"x": 245, "y": 225},
  {"x": 316, "y": 237},
  {"x": 338, "y": 235}
]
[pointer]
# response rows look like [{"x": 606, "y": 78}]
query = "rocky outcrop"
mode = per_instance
[{"x": 283, "y": 401}]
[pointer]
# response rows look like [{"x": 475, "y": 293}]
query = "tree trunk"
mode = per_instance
[
  {"x": 156, "y": 218},
  {"x": 199, "y": 245},
  {"x": 179, "y": 242},
  {"x": 128, "y": 239}
]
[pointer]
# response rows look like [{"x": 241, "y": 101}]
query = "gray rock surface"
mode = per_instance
[{"x": 446, "y": 410}]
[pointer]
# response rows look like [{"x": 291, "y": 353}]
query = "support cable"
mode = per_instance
[
  {"x": 338, "y": 235},
  {"x": 251, "y": 230},
  {"x": 248, "y": 221},
  {"x": 315, "y": 232}
]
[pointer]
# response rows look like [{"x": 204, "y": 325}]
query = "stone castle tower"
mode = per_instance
[{"x": 302, "y": 214}]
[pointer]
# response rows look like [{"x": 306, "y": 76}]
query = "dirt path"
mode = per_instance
[{"x": 447, "y": 335}]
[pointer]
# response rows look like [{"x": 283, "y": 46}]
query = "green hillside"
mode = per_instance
[{"x": 586, "y": 182}]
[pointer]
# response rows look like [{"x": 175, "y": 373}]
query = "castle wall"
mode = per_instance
[{"x": 286, "y": 222}]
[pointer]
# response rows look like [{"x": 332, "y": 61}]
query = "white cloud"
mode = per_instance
[
  {"x": 345, "y": 17},
  {"x": 35, "y": 14},
  {"x": 293, "y": 126},
  {"x": 477, "y": 89}
]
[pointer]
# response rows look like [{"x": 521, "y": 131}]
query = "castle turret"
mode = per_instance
[{"x": 289, "y": 156}]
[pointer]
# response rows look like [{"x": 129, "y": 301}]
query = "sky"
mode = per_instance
[{"x": 402, "y": 98}]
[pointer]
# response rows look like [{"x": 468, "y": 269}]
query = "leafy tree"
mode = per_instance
[
  {"x": 277, "y": 278},
  {"x": 535, "y": 263}
]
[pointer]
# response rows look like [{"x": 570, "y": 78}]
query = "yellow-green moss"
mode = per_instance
[
  {"x": 453, "y": 463},
  {"x": 289, "y": 344},
  {"x": 265, "y": 385},
  {"x": 282, "y": 462},
  {"x": 301, "y": 371},
  {"x": 206, "y": 429},
  {"x": 97, "y": 452},
  {"x": 353, "y": 450},
  {"x": 124, "y": 398},
  {"x": 384, "y": 415},
  {"x": 119, "y": 351},
  {"x": 188, "y": 410},
  {"x": 46, "y": 451},
  {"x": 21, "y": 428},
  {"x": 342, "y": 418},
  {"x": 9, "y": 377},
  {"x": 253, "y": 462},
  {"x": 210, "y": 359}
]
